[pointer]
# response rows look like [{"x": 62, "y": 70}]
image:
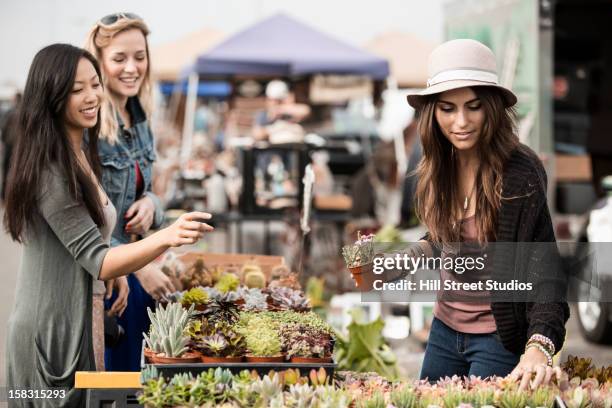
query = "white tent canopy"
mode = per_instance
[{"x": 168, "y": 60}]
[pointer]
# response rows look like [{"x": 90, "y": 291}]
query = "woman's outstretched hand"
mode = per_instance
[
  {"x": 534, "y": 362},
  {"x": 188, "y": 229}
]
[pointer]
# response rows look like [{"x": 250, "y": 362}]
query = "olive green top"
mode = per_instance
[{"x": 50, "y": 328}]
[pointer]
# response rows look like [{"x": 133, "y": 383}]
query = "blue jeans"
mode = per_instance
[{"x": 450, "y": 352}]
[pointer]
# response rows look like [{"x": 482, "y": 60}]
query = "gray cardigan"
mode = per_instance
[{"x": 50, "y": 333}]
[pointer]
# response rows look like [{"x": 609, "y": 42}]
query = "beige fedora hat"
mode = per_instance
[{"x": 457, "y": 64}]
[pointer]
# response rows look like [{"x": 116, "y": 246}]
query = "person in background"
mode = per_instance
[
  {"x": 56, "y": 208},
  {"x": 280, "y": 106},
  {"x": 375, "y": 189},
  {"x": 8, "y": 139},
  {"x": 412, "y": 142},
  {"x": 127, "y": 152}
]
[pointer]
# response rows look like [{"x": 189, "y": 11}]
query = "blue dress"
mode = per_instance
[{"x": 134, "y": 145}]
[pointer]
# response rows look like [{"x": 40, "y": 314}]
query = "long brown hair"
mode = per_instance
[
  {"x": 100, "y": 36},
  {"x": 42, "y": 140},
  {"x": 437, "y": 193}
]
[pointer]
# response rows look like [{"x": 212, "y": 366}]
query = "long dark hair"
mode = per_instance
[
  {"x": 436, "y": 192},
  {"x": 42, "y": 140}
]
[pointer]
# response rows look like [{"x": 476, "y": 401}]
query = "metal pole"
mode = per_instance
[{"x": 192, "y": 95}]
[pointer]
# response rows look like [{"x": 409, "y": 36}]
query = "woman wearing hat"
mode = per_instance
[{"x": 477, "y": 185}]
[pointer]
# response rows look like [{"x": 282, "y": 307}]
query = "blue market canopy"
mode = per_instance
[
  {"x": 281, "y": 46},
  {"x": 214, "y": 89}
]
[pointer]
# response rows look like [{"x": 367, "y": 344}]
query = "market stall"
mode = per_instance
[{"x": 322, "y": 73}]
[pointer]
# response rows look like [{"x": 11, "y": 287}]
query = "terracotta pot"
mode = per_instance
[
  {"x": 364, "y": 277},
  {"x": 148, "y": 353},
  {"x": 184, "y": 359},
  {"x": 220, "y": 360},
  {"x": 200, "y": 307},
  {"x": 311, "y": 360},
  {"x": 267, "y": 359}
]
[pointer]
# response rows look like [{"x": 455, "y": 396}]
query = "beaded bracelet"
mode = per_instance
[
  {"x": 538, "y": 344},
  {"x": 548, "y": 349},
  {"x": 545, "y": 341},
  {"x": 549, "y": 360}
]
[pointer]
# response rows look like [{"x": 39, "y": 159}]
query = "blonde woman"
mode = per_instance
[{"x": 127, "y": 152}]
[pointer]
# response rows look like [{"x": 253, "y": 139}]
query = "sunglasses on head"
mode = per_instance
[{"x": 113, "y": 18}]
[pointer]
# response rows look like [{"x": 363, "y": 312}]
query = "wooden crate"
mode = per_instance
[{"x": 265, "y": 262}]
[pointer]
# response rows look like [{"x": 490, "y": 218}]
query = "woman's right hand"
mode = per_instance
[
  {"x": 155, "y": 282},
  {"x": 188, "y": 229}
]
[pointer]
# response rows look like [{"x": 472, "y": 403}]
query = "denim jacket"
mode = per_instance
[{"x": 119, "y": 171}]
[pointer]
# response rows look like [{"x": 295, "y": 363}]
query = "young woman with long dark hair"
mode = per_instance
[
  {"x": 57, "y": 209},
  {"x": 477, "y": 184}
]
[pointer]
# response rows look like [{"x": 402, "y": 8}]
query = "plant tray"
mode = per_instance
[{"x": 169, "y": 370}]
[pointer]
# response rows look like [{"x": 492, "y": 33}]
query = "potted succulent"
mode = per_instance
[
  {"x": 227, "y": 283},
  {"x": 195, "y": 296},
  {"x": 196, "y": 275},
  {"x": 253, "y": 299},
  {"x": 264, "y": 347},
  {"x": 167, "y": 339},
  {"x": 358, "y": 258},
  {"x": 221, "y": 307},
  {"x": 253, "y": 276},
  {"x": 263, "y": 340},
  {"x": 222, "y": 345},
  {"x": 305, "y": 344},
  {"x": 283, "y": 298}
]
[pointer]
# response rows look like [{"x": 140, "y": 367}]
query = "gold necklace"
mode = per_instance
[{"x": 466, "y": 202}]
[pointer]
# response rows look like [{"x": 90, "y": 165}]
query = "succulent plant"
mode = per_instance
[
  {"x": 174, "y": 343},
  {"x": 377, "y": 400},
  {"x": 300, "y": 396},
  {"x": 261, "y": 333},
  {"x": 264, "y": 343},
  {"x": 404, "y": 397},
  {"x": 214, "y": 345},
  {"x": 174, "y": 297},
  {"x": 584, "y": 368},
  {"x": 361, "y": 252},
  {"x": 513, "y": 399},
  {"x": 289, "y": 299},
  {"x": 331, "y": 397},
  {"x": 196, "y": 275},
  {"x": 318, "y": 377},
  {"x": 194, "y": 296},
  {"x": 542, "y": 397},
  {"x": 290, "y": 281},
  {"x": 228, "y": 283},
  {"x": 304, "y": 341},
  {"x": 222, "y": 340},
  {"x": 279, "y": 271},
  {"x": 253, "y": 276},
  {"x": 268, "y": 387},
  {"x": 148, "y": 373},
  {"x": 254, "y": 299},
  {"x": 220, "y": 310},
  {"x": 166, "y": 333}
]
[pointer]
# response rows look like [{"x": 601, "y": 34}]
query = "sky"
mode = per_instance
[{"x": 28, "y": 25}]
